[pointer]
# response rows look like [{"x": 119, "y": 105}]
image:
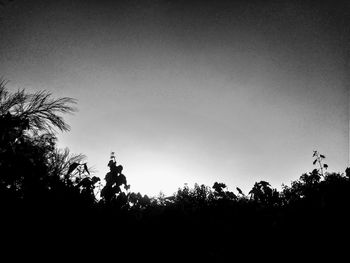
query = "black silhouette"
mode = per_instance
[
  {"x": 114, "y": 179},
  {"x": 51, "y": 194}
]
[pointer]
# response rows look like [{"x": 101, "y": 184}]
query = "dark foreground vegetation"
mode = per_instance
[{"x": 49, "y": 202}]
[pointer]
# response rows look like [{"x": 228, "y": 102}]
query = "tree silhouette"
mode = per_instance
[
  {"x": 29, "y": 166},
  {"x": 38, "y": 112},
  {"x": 53, "y": 191},
  {"x": 220, "y": 193},
  {"x": 114, "y": 180},
  {"x": 264, "y": 194}
]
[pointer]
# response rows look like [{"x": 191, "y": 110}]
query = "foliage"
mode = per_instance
[
  {"x": 318, "y": 159},
  {"x": 263, "y": 193},
  {"x": 31, "y": 167},
  {"x": 42, "y": 187},
  {"x": 37, "y": 112},
  {"x": 114, "y": 180}
]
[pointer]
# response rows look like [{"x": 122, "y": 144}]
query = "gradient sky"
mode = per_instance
[{"x": 190, "y": 91}]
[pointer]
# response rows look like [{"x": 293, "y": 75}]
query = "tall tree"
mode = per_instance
[{"x": 28, "y": 126}]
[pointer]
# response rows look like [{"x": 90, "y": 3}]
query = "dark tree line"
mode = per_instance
[{"x": 51, "y": 193}]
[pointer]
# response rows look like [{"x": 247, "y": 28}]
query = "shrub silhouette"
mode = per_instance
[
  {"x": 27, "y": 140},
  {"x": 51, "y": 193},
  {"x": 111, "y": 192},
  {"x": 33, "y": 172}
]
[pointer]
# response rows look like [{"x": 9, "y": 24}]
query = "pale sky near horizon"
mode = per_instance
[{"x": 190, "y": 91}]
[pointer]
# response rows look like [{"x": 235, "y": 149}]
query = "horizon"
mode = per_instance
[{"x": 190, "y": 92}]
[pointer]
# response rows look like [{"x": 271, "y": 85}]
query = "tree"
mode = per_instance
[
  {"x": 60, "y": 160},
  {"x": 264, "y": 194},
  {"x": 219, "y": 192},
  {"x": 28, "y": 123},
  {"x": 114, "y": 180},
  {"x": 38, "y": 111}
]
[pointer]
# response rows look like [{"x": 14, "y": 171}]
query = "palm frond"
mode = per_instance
[{"x": 41, "y": 110}]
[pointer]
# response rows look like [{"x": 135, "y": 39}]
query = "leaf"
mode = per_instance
[
  {"x": 322, "y": 156},
  {"x": 71, "y": 168},
  {"x": 239, "y": 191},
  {"x": 86, "y": 169},
  {"x": 325, "y": 166},
  {"x": 95, "y": 179},
  {"x": 314, "y": 162},
  {"x": 264, "y": 183}
]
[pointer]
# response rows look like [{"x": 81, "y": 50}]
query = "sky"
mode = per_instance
[{"x": 190, "y": 91}]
